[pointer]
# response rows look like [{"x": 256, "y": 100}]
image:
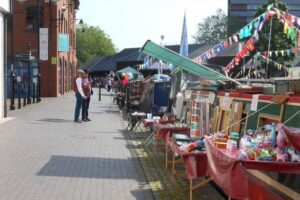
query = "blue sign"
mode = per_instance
[{"x": 63, "y": 42}]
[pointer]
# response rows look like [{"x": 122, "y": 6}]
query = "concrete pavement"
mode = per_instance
[{"x": 45, "y": 155}]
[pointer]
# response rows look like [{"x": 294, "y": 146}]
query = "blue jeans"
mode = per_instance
[{"x": 78, "y": 105}]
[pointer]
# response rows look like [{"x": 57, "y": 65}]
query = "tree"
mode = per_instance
[
  {"x": 92, "y": 42},
  {"x": 278, "y": 39},
  {"x": 213, "y": 29}
]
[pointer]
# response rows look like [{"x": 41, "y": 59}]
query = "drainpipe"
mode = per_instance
[{"x": 5, "y": 63}]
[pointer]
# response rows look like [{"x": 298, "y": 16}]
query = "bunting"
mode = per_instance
[
  {"x": 258, "y": 57},
  {"x": 250, "y": 30}
]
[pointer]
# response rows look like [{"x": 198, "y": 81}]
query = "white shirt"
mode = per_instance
[{"x": 79, "y": 86}]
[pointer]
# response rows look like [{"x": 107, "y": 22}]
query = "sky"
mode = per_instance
[{"x": 130, "y": 23}]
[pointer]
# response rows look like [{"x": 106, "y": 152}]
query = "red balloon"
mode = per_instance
[{"x": 125, "y": 81}]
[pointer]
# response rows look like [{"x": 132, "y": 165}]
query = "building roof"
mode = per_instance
[
  {"x": 228, "y": 52},
  {"x": 109, "y": 63},
  {"x": 91, "y": 63}
]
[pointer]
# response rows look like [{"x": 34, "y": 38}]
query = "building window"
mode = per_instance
[
  {"x": 238, "y": 7},
  {"x": 32, "y": 18},
  {"x": 9, "y": 21},
  {"x": 253, "y": 6}
]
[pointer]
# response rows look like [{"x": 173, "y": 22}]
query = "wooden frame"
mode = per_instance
[
  {"x": 223, "y": 120},
  {"x": 177, "y": 160}
]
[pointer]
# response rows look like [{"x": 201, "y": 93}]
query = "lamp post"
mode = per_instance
[
  {"x": 12, "y": 88},
  {"x": 38, "y": 93},
  {"x": 12, "y": 74},
  {"x": 28, "y": 74}
]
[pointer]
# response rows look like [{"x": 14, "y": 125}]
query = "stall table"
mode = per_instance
[
  {"x": 261, "y": 186},
  {"x": 148, "y": 123},
  {"x": 195, "y": 166},
  {"x": 161, "y": 131},
  {"x": 230, "y": 173}
]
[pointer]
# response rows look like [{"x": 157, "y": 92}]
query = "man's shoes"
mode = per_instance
[
  {"x": 88, "y": 119},
  {"x": 85, "y": 120},
  {"x": 77, "y": 121}
]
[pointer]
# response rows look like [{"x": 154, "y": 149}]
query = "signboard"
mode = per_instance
[
  {"x": 254, "y": 102},
  {"x": 53, "y": 60},
  {"x": 63, "y": 42},
  {"x": 44, "y": 43},
  {"x": 5, "y": 6}
]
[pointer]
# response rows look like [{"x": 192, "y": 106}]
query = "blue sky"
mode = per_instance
[{"x": 129, "y": 23}]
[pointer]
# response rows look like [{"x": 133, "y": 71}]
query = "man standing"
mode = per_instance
[
  {"x": 87, "y": 90},
  {"x": 79, "y": 94}
]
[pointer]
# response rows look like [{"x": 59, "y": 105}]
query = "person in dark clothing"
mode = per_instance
[
  {"x": 86, "y": 88},
  {"x": 79, "y": 94}
]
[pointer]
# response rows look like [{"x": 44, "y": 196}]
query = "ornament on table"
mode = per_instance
[
  {"x": 264, "y": 155},
  {"x": 294, "y": 155},
  {"x": 243, "y": 155},
  {"x": 281, "y": 155}
]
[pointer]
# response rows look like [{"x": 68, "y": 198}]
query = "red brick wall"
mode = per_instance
[{"x": 49, "y": 71}]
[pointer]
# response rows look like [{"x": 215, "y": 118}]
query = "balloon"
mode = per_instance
[
  {"x": 130, "y": 76},
  {"x": 125, "y": 81},
  {"x": 127, "y": 76}
]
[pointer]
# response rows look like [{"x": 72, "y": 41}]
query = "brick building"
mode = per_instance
[{"x": 56, "y": 20}]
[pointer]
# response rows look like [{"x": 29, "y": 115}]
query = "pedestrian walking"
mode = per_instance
[
  {"x": 108, "y": 85},
  {"x": 78, "y": 94},
  {"x": 87, "y": 91}
]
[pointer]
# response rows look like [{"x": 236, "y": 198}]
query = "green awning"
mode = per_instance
[
  {"x": 129, "y": 70},
  {"x": 175, "y": 59}
]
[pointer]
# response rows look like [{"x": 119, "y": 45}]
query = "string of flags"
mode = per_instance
[
  {"x": 251, "y": 29},
  {"x": 291, "y": 27},
  {"x": 253, "y": 62},
  {"x": 149, "y": 60},
  {"x": 286, "y": 52}
]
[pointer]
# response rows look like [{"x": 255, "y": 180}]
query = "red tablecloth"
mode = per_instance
[
  {"x": 230, "y": 173},
  {"x": 258, "y": 189},
  {"x": 195, "y": 163},
  {"x": 280, "y": 167},
  {"x": 150, "y": 122},
  {"x": 292, "y": 134},
  {"x": 164, "y": 131},
  {"x": 224, "y": 169}
]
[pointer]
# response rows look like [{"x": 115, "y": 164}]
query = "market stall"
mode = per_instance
[
  {"x": 194, "y": 160},
  {"x": 242, "y": 119}
]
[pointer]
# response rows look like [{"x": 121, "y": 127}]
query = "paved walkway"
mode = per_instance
[{"x": 44, "y": 155}]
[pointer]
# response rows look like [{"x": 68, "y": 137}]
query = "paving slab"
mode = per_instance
[{"x": 45, "y": 155}]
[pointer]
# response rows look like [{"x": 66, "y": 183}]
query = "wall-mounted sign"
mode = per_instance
[
  {"x": 53, "y": 60},
  {"x": 63, "y": 42},
  {"x": 44, "y": 43}
]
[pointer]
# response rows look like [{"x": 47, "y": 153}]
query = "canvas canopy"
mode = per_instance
[
  {"x": 128, "y": 70},
  {"x": 186, "y": 64}
]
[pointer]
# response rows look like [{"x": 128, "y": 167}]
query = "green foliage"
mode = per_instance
[
  {"x": 213, "y": 29},
  {"x": 279, "y": 40},
  {"x": 92, "y": 42}
]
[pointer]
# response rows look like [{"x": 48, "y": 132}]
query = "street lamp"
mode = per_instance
[{"x": 12, "y": 74}]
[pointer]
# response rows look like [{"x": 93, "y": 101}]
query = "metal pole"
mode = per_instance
[
  {"x": 99, "y": 92},
  {"x": 12, "y": 89},
  {"x": 12, "y": 75},
  {"x": 38, "y": 93},
  {"x": 19, "y": 96},
  {"x": 33, "y": 93},
  {"x": 28, "y": 75},
  {"x": 39, "y": 89},
  {"x": 24, "y": 97},
  {"x": 270, "y": 36}
]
